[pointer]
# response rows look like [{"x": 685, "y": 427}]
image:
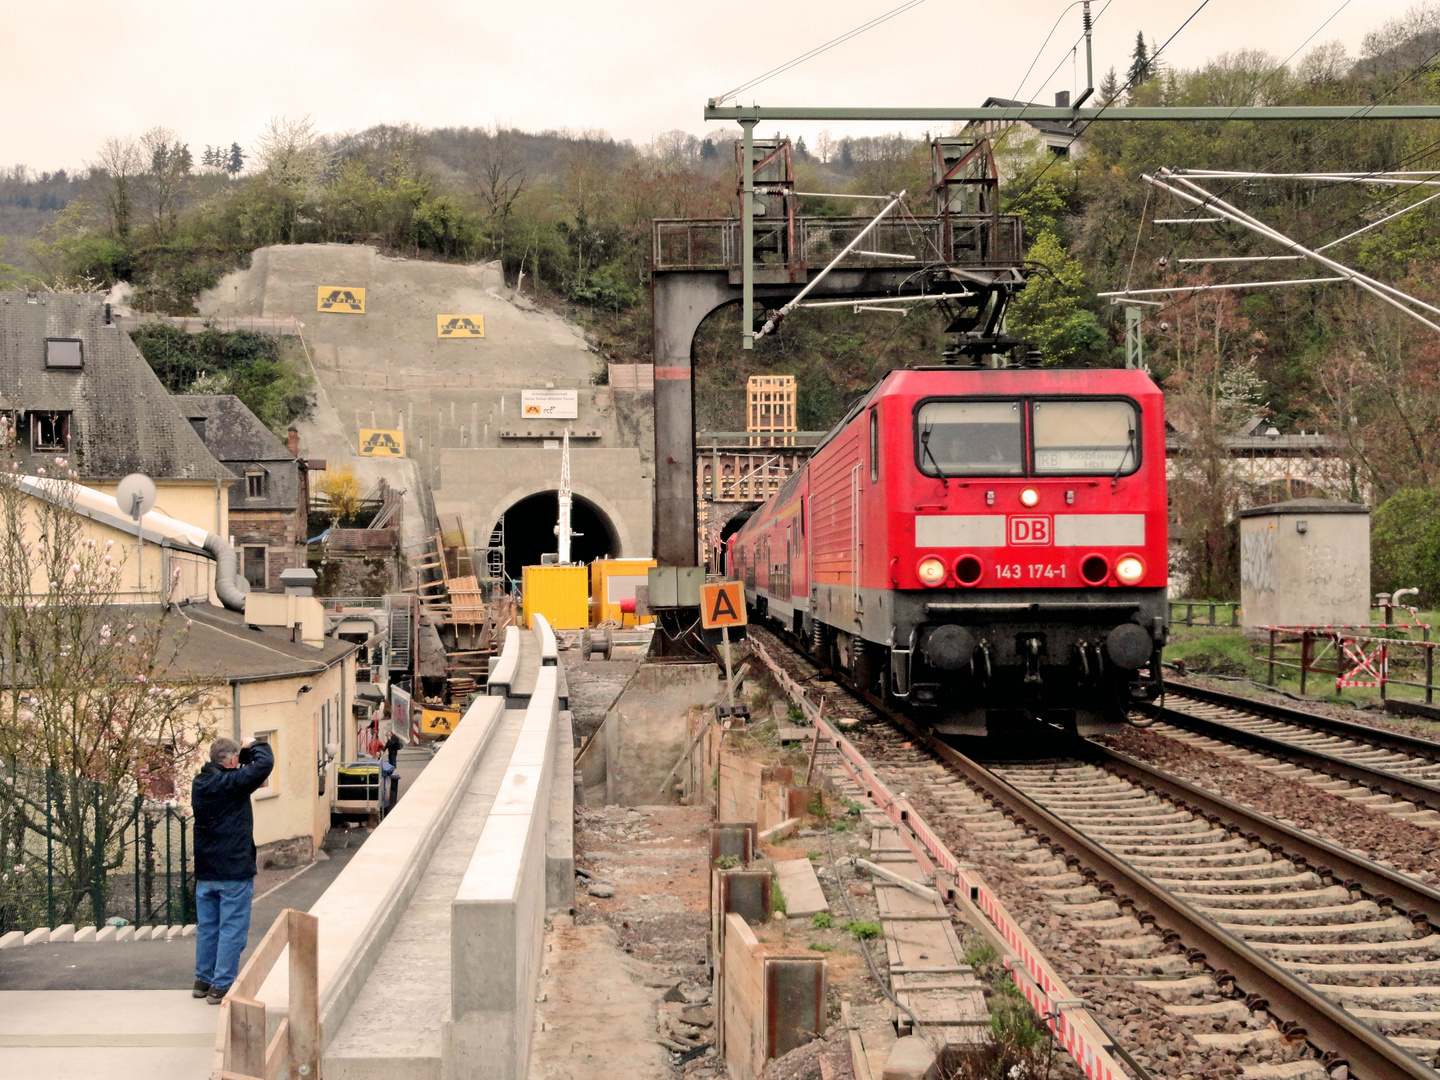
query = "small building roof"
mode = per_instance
[
  {"x": 232, "y": 431},
  {"x": 215, "y": 643},
  {"x": 122, "y": 418},
  {"x": 1307, "y": 507},
  {"x": 1045, "y": 127}
]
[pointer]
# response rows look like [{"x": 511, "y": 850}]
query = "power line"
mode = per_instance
[{"x": 892, "y": 13}]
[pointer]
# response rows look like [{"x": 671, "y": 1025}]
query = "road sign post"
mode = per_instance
[{"x": 722, "y": 605}]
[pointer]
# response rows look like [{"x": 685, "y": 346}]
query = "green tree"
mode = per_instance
[
  {"x": 1405, "y": 543},
  {"x": 1140, "y": 63},
  {"x": 1051, "y": 311}
]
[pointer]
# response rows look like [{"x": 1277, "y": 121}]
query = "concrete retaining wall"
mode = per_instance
[
  {"x": 646, "y": 731},
  {"x": 498, "y": 917}
]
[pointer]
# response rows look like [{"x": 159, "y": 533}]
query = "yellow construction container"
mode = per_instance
[
  {"x": 560, "y": 593},
  {"x": 613, "y": 581}
]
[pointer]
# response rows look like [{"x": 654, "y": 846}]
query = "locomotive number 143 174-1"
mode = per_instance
[{"x": 1030, "y": 571}]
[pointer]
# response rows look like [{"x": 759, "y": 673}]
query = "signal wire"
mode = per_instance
[{"x": 856, "y": 32}]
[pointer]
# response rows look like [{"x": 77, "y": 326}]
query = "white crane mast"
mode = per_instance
[{"x": 562, "y": 527}]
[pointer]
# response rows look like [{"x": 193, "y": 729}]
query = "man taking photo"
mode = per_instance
[{"x": 225, "y": 859}]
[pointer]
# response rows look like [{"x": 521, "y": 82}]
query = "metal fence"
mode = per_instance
[
  {"x": 1375, "y": 657},
  {"x": 76, "y": 851},
  {"x": 1210, "y": 612}
]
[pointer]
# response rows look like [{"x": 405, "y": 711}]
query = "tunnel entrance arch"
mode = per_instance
[{"x": 529, "y": 525}]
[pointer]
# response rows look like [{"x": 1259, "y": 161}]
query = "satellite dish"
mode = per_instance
[{"x": 136, "y": 495}]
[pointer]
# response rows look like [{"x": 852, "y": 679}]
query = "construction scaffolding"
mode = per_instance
[{"x": 770, "y": 410}]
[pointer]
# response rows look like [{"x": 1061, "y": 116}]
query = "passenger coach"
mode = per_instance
[{"x": 984, "y": 544}]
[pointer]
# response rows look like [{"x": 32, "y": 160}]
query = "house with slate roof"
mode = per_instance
[
  {"x": 1059, "y": 137},
  {"x": 269, "y": 503},
  {"x": 76, "y": 387}
]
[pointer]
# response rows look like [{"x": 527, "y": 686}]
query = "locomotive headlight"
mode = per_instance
[
  {"x": 1029, "y": 497},
  {"x": 931, "y": 571},
  {"x": 1129, "y": 569}
]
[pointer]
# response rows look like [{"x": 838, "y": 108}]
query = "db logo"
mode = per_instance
[{"x": 1030, "y": 530}]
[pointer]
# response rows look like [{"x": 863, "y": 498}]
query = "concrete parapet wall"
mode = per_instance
[
  {"x": 497, "y": 919},
  {"x": 560, "y": 840},
  {"x": 359, "y": 910}
]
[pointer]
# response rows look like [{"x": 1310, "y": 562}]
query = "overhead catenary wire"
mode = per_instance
[{"x": 856, "y": 32}]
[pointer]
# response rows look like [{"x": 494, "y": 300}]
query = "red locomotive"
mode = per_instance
[{"x": 984, "y": 544}]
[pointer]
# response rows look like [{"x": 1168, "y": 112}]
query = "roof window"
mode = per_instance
[{"x": 64, "y": 353}]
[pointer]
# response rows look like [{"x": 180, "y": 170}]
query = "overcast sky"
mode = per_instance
[{"x": 73, "y": 72}]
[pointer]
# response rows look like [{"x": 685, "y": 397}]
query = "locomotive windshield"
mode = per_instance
[
  {"x": 971, "y": 438},
  {"x": 1073, "y": 437}
]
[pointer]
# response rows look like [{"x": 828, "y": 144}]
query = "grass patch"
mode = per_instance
[
  {"x": 822, "y": 920},
  {"x": 777, "y": 899},
  {"x": 862, "y": 930},
  {"x": 814, "y": 855},
  {"x": 978, "y": 951},
  {"x": 843, "y": 825},
  {"x": 821, "y": 946},
  {"x": 727, "y": 862},
  {"x": 817, "y": 807},
  {"x": 1216, "y": 654}
]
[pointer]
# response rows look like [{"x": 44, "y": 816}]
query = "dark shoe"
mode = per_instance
[
  {"x": 217, "y": 994},
  {"x": 200, "y": 989}
]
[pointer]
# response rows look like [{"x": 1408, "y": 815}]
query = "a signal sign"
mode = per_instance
[
  {"x": 340, "y": 299},
  {"x": 722, "y": 604},
  {"x": 376, "y": 443},
  {"x": 459, "y": 326}
]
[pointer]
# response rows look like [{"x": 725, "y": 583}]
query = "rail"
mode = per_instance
[
  {"x": 1363, "y": 1049},
  {"x": 242, "y": 1051},
  {"x": 714, "y": 243}
]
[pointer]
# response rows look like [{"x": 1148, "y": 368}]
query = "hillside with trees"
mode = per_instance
[{"x": 568, "y": 214}]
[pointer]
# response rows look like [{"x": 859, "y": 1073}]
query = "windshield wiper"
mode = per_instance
[
  {"x": 925, "y": 447},
  {"x": 1129, "y": 453}
]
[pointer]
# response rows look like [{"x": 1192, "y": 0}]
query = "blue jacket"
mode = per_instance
[{"x": 224, "y": 825}]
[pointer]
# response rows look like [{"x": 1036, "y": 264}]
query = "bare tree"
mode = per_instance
[
  {"x": 116, "y": 168},
  {"x": 501, "y": 173},
  {"x": 166, "y": 182},
  {"x": 91, "y": 718},
  {"x": 824, "y": 146}
]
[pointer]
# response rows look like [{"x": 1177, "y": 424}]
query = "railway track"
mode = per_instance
[
  {"x": 1385, "y": 771},
  {"x": 1225, "y": 918}
]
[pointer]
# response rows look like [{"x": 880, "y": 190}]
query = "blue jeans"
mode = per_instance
[{"x": 222, "y": 925}]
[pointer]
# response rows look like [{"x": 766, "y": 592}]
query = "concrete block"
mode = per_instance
[
  {"x": 560, "y": 831},
  {"x": 39, "y": 936},
  {"x": 776, "y": 832},
  {"x": 13, "y": 940},
  {"x": 105, "y": 933},
  {"x": 803, "y": 895},
  {"x": 84, "y": 934},
  {"x": 125, "y": 933},
  {"x": 497, "y": 919},
  {"x": 160, "y": 933},
  {"x": 188, "y": 931},
  {"x": 910, "y": 1059},
  {"x": 172, "y": 932},
  {"x": 64, "y": 932}
]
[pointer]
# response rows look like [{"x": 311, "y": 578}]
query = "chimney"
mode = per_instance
[
  {"x": 1062, "y": 99},
  {"x": 292, "y": 440}
]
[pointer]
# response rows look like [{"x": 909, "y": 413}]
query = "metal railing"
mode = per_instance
[
  {"x": 1373, "y": 657},
  {"x": 75, "y": 851},
  {"x": 1211, "y": 612},
  {"x": 714, "y": 243}
]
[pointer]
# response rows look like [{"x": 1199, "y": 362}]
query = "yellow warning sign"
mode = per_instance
[
  {"x": 459, "y": 326},
  {"x": 341, "y": 299},
  {"x": 722, "y": 604},
  {"x": 375, "y": 443}
]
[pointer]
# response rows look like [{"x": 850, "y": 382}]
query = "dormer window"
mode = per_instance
[
  {"x": 198, "y": 423},
  {"x": 49, "y": 432},
  {"x": 64, "y": 354},
  {"x": 255, "y": 482}
]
